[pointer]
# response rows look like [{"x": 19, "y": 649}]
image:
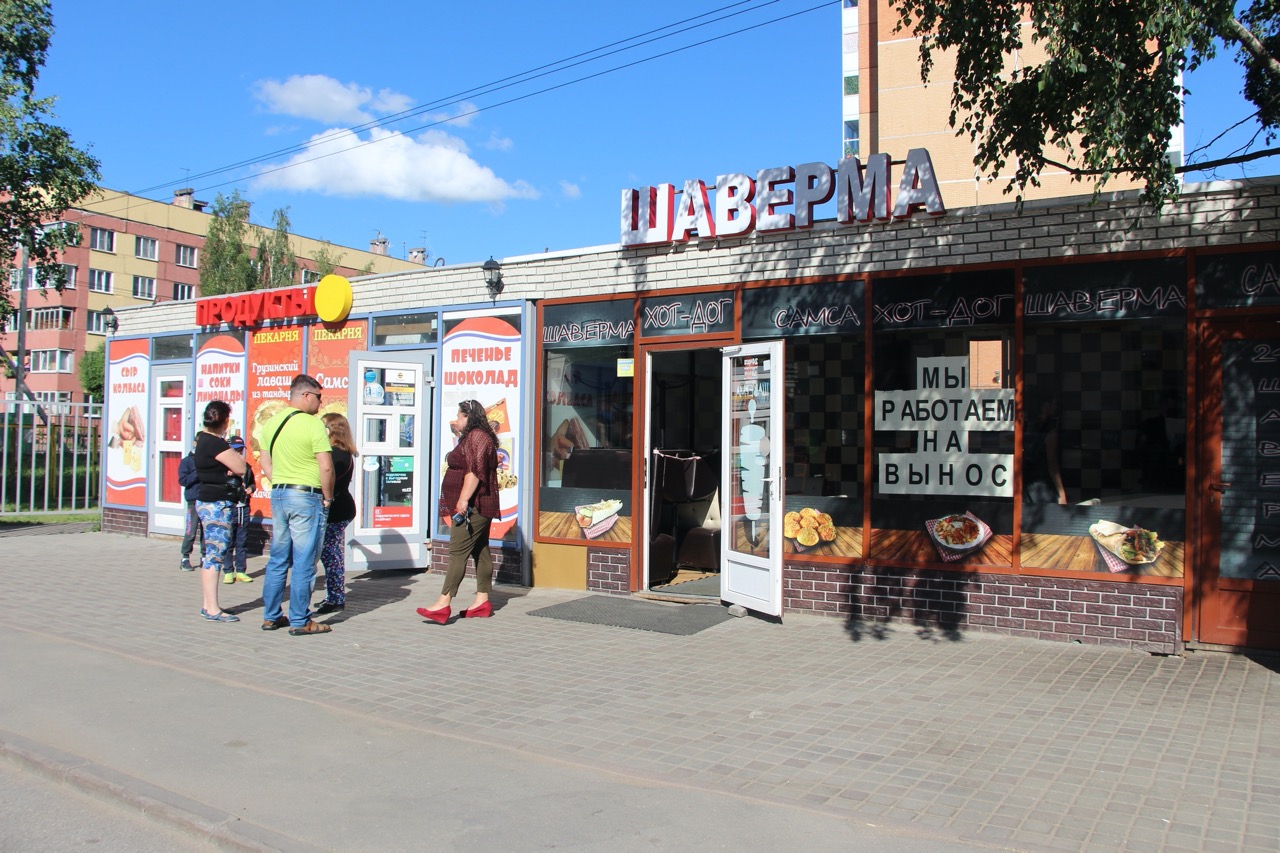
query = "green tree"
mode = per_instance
[
  {"x": 226, "y": 265},
  {"x": 326, "y": 260},
  {"x": 42, "y": 174},
  {"x": 1109, "y": 94},
  {"x": 277, "y": 264},
  {"x": 93, "y": 371}
]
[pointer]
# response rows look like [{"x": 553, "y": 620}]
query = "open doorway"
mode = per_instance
[{"x": 684, "y": 544}]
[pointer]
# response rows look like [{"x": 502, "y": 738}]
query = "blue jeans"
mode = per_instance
[{"x": 297, "y": 526}]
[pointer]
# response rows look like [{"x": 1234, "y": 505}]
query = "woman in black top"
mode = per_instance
[
  {"x": 341, "y": 512},
  {"x": 220, "y": 470}
]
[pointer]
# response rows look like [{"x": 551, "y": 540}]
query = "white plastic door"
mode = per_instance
[
  {"x": 751, "y": 561},
  {"x": 390, "y": 403}
]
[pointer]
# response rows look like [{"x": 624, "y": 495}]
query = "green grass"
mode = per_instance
[{"x": 93, "y": 515}]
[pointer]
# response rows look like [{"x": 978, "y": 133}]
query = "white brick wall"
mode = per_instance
[{"x": 1217, "y": 214}]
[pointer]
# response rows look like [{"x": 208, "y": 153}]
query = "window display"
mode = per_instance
[
  {"x": 585, "y": 473},
  {"x": 943, "y": 420}
]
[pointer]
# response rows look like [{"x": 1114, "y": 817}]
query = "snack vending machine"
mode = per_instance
[{"x": 390, "y": 396}]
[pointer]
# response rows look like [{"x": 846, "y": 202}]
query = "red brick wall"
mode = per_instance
[
  {"x": 609, "y": 570},
  {"x": 128, "y": 521},
  {"x": 506, "y": 564},
  {"x": 1086, "y": 610}
]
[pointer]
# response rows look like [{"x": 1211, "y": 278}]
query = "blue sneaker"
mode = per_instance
[{"x": 224, "y": 616}]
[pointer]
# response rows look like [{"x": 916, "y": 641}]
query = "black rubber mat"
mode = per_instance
[{"x": 681, "y": 619}]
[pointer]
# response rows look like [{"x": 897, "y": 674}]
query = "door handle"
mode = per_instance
[{"x": 1219, "y": 487}]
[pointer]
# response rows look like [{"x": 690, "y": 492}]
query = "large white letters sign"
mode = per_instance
[{"x": 779, "y": 199}]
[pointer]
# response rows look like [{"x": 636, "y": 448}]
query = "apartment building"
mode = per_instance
[
  {"x": 136, "y": 251},
  {"x": 887, "y": 108}
]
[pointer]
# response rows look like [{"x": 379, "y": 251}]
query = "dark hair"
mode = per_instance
[
  {"x": 340, "y": 432},
  {"x": 216, "y": 414},
  {"x": 301, "y": 383},
  {"x": 477, "y": 418}
]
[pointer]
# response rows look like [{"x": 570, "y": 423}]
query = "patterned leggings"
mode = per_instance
[
  {"x": 215, "y": 517},
  {"x": 333, "y": 556}
]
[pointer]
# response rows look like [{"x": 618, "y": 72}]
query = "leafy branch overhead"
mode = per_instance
[
  {"x": 42, "y": 173},
  {"x": 1106, "y": 99}
]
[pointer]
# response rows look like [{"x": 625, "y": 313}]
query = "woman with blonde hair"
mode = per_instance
[{"x": 341, "y": 512}]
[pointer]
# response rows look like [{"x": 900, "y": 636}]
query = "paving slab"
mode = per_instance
[{"x": 978, "y": 740}]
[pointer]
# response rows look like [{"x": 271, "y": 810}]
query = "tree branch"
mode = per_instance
[
  {"x": 1189, "y": 167},
  {"x": 1231, "y": 29}
]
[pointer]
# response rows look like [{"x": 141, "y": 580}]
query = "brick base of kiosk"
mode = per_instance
[
  {"x": 127, "y": 521},
  {"x": 1139, "y": 616}
]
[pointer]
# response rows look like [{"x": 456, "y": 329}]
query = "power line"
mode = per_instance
[
  {"x": 485, "y": 89},
  {"x": 494, "y": 87},
  {"x": 532, "y": 94}
]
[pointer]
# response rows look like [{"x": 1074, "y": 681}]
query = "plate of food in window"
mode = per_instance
[
  {"x": 808, "y": 528},
  {"x": 1123, "y": 547},
  {"x": 958, "y": 534}
]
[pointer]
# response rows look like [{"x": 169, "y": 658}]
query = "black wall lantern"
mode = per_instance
[
  {"x": 110, "y": 321},
  {"x": 492, "y": 278}
]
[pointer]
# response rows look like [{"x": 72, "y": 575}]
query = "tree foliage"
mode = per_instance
[
  {"x": 226, "y": 265},
  {"x": 1109, "y": 94},
  {"x": 326, "y": 260},
  {"x": 42, "y": 173},
  {"x": 277, "y": 264},
  {"x": 93, "y": 372}
]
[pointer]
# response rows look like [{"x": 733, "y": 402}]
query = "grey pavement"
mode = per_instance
[{"x": 520, "y": 732}]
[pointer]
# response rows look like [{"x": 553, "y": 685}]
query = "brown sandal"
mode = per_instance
[{"x": 310, "y": 628}]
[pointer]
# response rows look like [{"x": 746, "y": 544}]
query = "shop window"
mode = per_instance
[
  {"x": 171, "y": 347},
  {"x": 405, "y": 329},
  {"x": 825, "y": 443},
  {"x": 943, "y": 419},
  {"x": 1104, "y": 416},
  {"x": 587, "y": 414}
]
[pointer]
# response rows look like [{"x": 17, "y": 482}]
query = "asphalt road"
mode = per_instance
[{"x": 38, "y": 815}]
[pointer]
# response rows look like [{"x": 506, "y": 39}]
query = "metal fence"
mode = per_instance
[{"x": 50, "y": 457}]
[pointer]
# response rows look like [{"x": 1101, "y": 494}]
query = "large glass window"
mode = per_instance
[
  {"x": 405, "y": 329},
  {"x": 943, "y": 420},
  {"x": 587, "y": 415},
  {"x": 1104, "y": 418}
]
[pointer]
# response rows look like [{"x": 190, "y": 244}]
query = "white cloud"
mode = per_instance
[
  {"x": 432, "y": 167},
  {"x": 322, "y": 98},
  {"x": 462, "y": 116},
  {"x": 498, "y": 143},
  {"x": 570, "y": 190}
]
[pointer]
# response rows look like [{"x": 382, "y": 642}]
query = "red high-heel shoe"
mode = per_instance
[
  {"x": 441, "y": 615},
  {"x": 480, "y": 611}
]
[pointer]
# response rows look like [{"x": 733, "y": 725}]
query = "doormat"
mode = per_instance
[{"x": 681, "y": 619}]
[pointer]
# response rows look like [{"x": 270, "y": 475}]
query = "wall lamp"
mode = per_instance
[
  {"x": 110, "y": 321},
  {"x": 492, "y": 278}
]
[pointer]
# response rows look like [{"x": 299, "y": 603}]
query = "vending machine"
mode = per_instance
[{"x": 391, "y": 397}]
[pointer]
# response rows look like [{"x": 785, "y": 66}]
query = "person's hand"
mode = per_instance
[{"x": 568, "y": 437}]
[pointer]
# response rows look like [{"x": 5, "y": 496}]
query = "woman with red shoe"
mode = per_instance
[{"x": 469, "y": 495}]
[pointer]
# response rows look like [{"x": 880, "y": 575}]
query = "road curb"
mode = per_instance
[{"x": 186, "y": 815}]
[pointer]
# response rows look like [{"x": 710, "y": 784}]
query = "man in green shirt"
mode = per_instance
[{"x": 296, "y": 459}]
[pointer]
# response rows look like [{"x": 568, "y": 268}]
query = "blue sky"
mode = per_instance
[{"x": 163, "y": 93}]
